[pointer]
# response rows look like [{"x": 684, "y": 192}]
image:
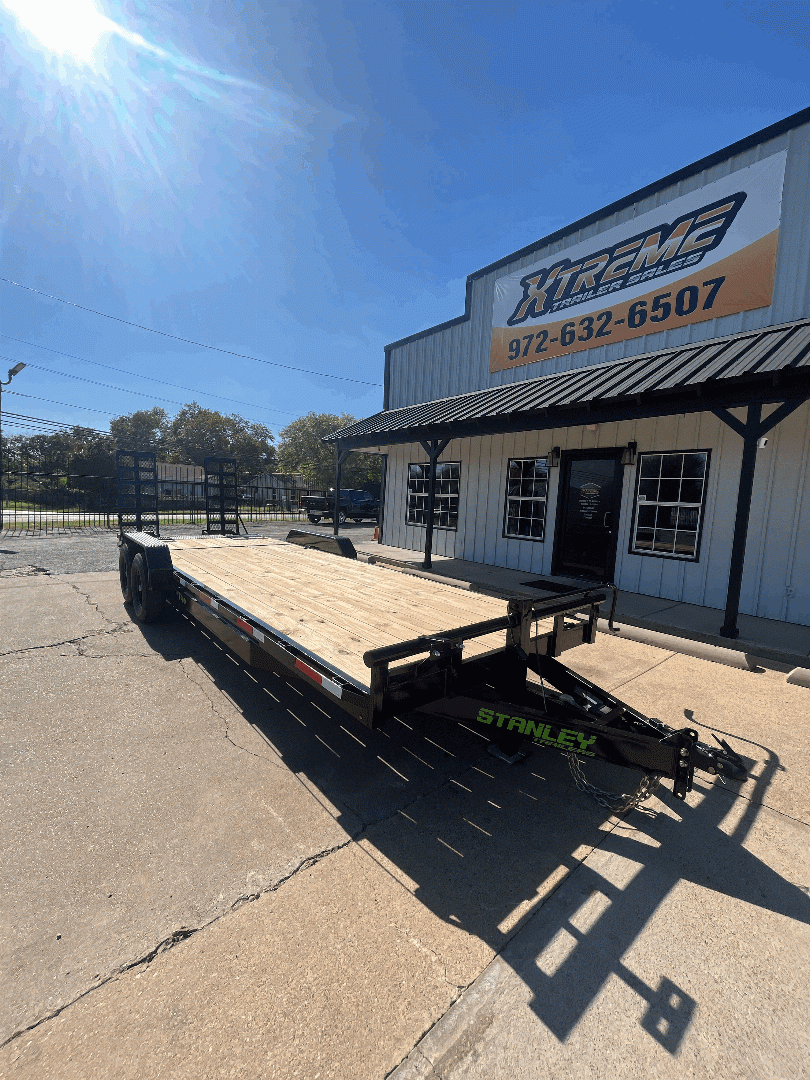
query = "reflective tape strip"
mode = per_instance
[
  {"x": 327, "y": 684},
  {"x": 332, "y": 687},
  {"x": 244, "y": 625}
]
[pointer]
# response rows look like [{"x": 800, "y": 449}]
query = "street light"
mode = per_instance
[{"x": 11, "y": 373}]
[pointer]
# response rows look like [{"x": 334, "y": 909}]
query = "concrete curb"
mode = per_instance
[
  {"x": 800, "y": 676},
  {"x": 700, "y": 649},
  {"x": 453, "y": 1038}
]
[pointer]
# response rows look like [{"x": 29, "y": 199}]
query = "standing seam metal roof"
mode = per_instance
[{"x": 687, "y": 366}]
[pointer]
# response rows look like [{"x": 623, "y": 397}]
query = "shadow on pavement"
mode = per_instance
[{"x": 484, "y": 845}]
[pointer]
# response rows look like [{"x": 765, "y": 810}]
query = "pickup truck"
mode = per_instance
[{"x": 354, "y": 504}]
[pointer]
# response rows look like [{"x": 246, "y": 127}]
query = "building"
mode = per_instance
[
  {"x": 627, "y": 399},
  {"x": 277, "y": 489},
  {"x": 180, "y": 481}
]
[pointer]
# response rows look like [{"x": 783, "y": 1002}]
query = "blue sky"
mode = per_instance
[{"x": 303, "y": 183}]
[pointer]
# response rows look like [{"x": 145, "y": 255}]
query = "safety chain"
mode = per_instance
[{"x": 614, "y": 801}]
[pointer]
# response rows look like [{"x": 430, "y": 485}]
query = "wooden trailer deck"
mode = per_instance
[{"x": 335, "y": 608}]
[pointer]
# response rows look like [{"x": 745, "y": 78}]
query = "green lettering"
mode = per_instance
[
  {"x": 501, "y": 717},
  {"x": 485, "y": 716},
  {"x": 533, "y": 729},
  {"x": 566, "y": 739},
  {"x": 583, "y": 742},
  {"x": 518, "y": 722}
]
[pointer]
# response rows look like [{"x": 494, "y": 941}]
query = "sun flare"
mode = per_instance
[{"x": 65, "y": 27}]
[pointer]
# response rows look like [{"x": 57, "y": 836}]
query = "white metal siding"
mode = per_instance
[
  {"x": 456, "y": 360},
  {"x": 778, "y": 551}
]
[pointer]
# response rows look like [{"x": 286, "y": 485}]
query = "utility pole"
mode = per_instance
[{"x": 12, "y": 372}]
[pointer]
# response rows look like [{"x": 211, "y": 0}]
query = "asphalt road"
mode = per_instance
[{"x": 207, "y": 871}]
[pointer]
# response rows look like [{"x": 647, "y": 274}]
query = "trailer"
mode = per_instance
[{"x": 379, "y": 643}]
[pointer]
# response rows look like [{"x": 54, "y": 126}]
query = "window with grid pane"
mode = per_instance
[
  {"x": 445, "y": 515},
  {"x": 526, "y": 494},
  {"x": 669, "y": 504}
]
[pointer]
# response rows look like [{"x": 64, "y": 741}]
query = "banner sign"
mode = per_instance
[{"x": 701, "y": 256}]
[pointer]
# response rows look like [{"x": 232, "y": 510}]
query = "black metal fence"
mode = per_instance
[{"x": 61, "y": 501}]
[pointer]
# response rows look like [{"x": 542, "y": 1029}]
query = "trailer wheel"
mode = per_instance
[
  {"x": 314, "y": 518},
  {"x": 124, "y": 571},
  {"x": 147, "y": 604}
]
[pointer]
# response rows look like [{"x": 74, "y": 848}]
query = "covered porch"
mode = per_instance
[{"x": 750, "y": 382}]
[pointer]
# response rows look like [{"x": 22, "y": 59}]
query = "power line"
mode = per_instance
[
  {"x": 109, "y": 386},
  {"x": 55, "y": 425},
  {"x": 149, "y": 378},
  {"x": 187, "y": 341},
  {"x": 82, "y": 408}
]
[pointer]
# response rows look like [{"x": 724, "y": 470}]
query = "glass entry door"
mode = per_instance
[{"x": 588, "y": 514}]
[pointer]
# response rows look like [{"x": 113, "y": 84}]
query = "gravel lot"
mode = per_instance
[{"x": 93, "y": 550}]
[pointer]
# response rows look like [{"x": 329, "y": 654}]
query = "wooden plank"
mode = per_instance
[
  {"x": 300, "y": 598},
  {"x": 368, "y": 586},
  {"x": 332, "y": 607},
  {"x": 352, "y": 613}
]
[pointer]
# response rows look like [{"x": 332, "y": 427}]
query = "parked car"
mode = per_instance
[{"x": 355, "y": 504}]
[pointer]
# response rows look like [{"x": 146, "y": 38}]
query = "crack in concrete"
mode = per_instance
[
  {"x": 182, "y": 934},
  {"x": 434, "y": 956},
  {"x": 86, "y": 597},
  {"x": 76, "y": 642},
  {"x": 214, "y": 704}
]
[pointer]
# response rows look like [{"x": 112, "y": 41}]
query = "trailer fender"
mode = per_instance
[{"x": 156, "y": 556}]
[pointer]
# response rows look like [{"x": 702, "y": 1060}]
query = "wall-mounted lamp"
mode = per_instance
[
  {"x": 553, "y": 458},
  {"x": 629, "y": 454}
]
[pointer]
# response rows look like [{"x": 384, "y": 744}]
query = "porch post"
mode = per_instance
[
  {"x": 433, "y": 448},
  {"x": 751, "y": 431},
  {"x": 745, "y": 490},
  {"x": 340, "y": 457}
]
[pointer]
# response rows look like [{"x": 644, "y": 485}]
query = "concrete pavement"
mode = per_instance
[
  {"x": 680, "y": 947},
  {"x": 205, "y": 875}
]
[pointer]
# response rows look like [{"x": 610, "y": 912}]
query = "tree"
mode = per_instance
[
  {"x": 88, "y": 456},
  {"x": 145, "y": 429},
  {"x": 301, "y": 450},
  {"x": 197, "y": 433}
]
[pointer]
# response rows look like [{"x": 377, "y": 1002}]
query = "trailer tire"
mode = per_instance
[
  {"x": 314, "y": 518},
  {"x": 147, "y": 604},
  {"x": 124, "y": 572}
]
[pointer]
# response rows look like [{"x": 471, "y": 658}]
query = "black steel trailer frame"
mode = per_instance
[{"x": 562, "y": 711}]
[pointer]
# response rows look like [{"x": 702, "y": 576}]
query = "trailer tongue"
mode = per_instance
[{"x": 308, "y": 607}]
